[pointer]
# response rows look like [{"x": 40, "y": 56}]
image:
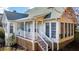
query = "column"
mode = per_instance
[
  {"x": 64, "y": 30},
  {"x": 33, "y": 30},
  {"x": 33, "y": 33},
  {"x": 24, "y": 29},
  {"x": 50, "y": 29},
  {"x": 57, "y": 33}
]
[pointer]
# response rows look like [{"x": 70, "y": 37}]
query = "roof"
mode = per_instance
[
  {"x": 14, "y": 15},
  {"x": 38, "y": 11},
  {"x": 50, "y": 13},
  {"x": 56, "y": 12}
]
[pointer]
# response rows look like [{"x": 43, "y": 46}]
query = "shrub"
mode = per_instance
[{"x": 2, "y": 33}]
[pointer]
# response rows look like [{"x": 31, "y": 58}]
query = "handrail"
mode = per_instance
[
  {"x": 47, "y": 39},
  {"x": 46, "y": 36},
  {"x": 43, "y": 41},
  {"x": 41, "y": 37}
]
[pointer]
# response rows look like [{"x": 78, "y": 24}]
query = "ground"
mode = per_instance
[
  {"x": 73, "y": 46},
  {"x": 12, "y": 48}
]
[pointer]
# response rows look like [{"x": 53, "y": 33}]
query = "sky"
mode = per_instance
[
  {"x": 18, "y": 9},
  {"x": 24, "y": 9}
]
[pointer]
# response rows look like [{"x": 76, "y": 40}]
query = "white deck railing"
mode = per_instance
[
  {"x": 20, "y": 33},
  {"x": 24, "y": 34},
  {"x": 42, "y": 42},
  {"x": 29, "y": 35},
  {"x": 48, "y": 40}
]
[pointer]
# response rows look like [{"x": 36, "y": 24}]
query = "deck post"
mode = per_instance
[
  {"x": 24, "y": 29},
  {"x": 57, "y": 34},
  {"x": 57, "y": 46},
  {"x": 33, "y": 32}
]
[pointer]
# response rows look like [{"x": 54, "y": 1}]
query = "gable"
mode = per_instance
[{"x": 68, "y": 16}]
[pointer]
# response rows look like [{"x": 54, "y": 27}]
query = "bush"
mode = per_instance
[
  {"x": 2, "y": 33},
  {"x": 76, "y": 36}
]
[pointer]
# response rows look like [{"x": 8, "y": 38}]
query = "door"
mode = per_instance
[{"x": 39, "y": 27}]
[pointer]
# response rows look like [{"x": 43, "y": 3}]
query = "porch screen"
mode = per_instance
[
  {"x": 53, "y": 30},
  {"x": 47, "y": 29},
  {"x": 69, "y": 30},
  {"x": 22, "y": 26},
  {"x": 62, "y": 30},
  {"x": 66, "y": 29}
]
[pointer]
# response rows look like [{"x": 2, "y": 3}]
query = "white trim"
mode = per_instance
[
  {"x": 57, "y": 33},
  {"x": 43, "y": 41},
  {"x": 33, "y": 29},
  {"x": 57, "y": 46},
  {"x": 24, "y": 29},
  {"x": 24, "y": 38},
  {"x": 50, "y": 29}
]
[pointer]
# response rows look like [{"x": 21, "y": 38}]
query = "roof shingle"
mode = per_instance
[{"x": 14, "y": 15}]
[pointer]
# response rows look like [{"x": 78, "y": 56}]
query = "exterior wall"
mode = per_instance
[
  {"x": 67, "y": 18},
  {"x": 8, "y": 35},
  {"x": 5, "y": 24},
  {"x": 28, "y": 45}
]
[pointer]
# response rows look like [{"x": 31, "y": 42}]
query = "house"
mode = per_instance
[
  {"x": 1, "y": 15},
  {"x": 77, "y": 27},
  {"x": 42, "y": 28},
  {"x": 8, "y": 22}
]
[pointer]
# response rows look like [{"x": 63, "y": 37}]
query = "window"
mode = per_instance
[
  {"x": 65, "y": 29},
  {"x": 47, "y": 29},
  {"x": 11, "y": 28},
  {"x": 62, "y": 30},
  {"x": 53, "y": 30},
  {"x": 69, "y": 30}
]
